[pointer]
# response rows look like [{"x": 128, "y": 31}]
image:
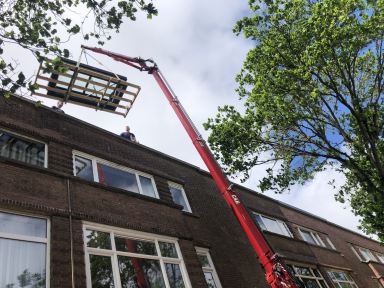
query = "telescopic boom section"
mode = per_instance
[{"x": 276, "y": 274}]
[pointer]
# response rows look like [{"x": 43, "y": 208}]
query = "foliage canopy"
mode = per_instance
[
  {"x": 313, "y": 93},
  {"x": 41, "y": 26}
]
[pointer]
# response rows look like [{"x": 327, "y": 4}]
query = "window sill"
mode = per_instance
[
  {"x": 277, "y": 234},
  {"x": 190, "y": 214}
]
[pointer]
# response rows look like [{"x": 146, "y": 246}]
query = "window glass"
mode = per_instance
[
  {"x": 203, "y": 261},
  {"x": 23, "y": 225},
  {"x": 272, "y": 225},
  {"x": 303, "y": 271},
  {"x": 342, "y": 279},
  {"x": 101, "y": 271},
  {"x": 135, "y": 246},
  {"x": 367, "y": 255},
  {"x": 307, "y": 237},
  {"x": 23, "y": 251},
  {"x": 149, "y": 267},
  {"x": 22, "y": 263},
  {"x": 168, "y": 249},
  {"x": 117, "y": 178},
  {"x": 311, "y": 237},
  {"x": 146, "y": 186},
  {"x": 97, "y": 239},
  {"x": 260, "y": 222},
  {"x": 93, "y": 169},
  {"x": 309, "y": 276},
  {"x": 83, "y": 168},
  {"x": 311, "y": 283},
  {"x": 175, "y": 277},
  {"x": 210, "y": 280},
  {"x": 27, "y": 151},
  {"x": 178, "y": 196},
  {"x": 137, "y": 272},
  {"x": 209, "y": 270}
]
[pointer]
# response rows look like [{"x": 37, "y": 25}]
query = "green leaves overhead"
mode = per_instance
[
  {"x": 313, "y": 91},
  {"x": 42, "y": 26}
]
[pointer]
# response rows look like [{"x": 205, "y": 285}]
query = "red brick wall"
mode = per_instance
[{"x": 211, "y": 225}]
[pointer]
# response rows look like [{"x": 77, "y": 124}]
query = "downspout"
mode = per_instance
[
  {"x": 71, "y": 234},
  {"x": 378, "y": 276}
]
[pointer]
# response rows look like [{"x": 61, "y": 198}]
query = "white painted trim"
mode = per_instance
[
  {"x": 96, "y": 160},
  {"x": 357, "y": 254},
  {"x": 27, "y": 138},
  {"x": 181, "y": 188},
  {"x": 128, "y": 232},
  {"x": 330, "y": 243},
  {"x": 380, "y": 256},
  {"x": 137, "y": 235},
  {"x": 211, "y": 269}
]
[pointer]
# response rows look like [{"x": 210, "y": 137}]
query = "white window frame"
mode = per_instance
[
  {"x": 27, "y": 138},
  {"x": 45, "y": 241},
  {"x": 280, "y": 222},
  {"x": 330, "y": 243},
  {"x": 369, "y": 252},
  {"x": 380, "y": 256},
  {"x": 310, "y": 267},
  {"x": 96, "y": 160},
  {"x": 314, "y": 234},
  {"x": 336, "y": 281},
  {"x": 357, "y": 254},
  {"x": 180, "y": 187},
  {"x": 211, "y": 269},
  {"x": 132, "y": 234}
]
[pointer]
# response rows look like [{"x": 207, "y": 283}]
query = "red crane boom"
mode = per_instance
[{"x": 276, "y": 274}]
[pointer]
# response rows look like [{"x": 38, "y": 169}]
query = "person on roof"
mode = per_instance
[
  {"x": 58, "y": 107},
  {"x": 128, "y": 135}
]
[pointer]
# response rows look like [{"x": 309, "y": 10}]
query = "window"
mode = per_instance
[
  {"x": 123, "y": 258},
  {"x": 342, "y": 279},
  {"x": 330, "y": 243},
  {"x": 178, "y": 196},
  {"x": 208, "y": 268},
  {"x": 94, "y": 169},
  {"x": 310, "y": 276},
  {"x": 366, "y": 254},
  {"x": 311, "y": 237},
  {"x": 23, "y": 251},
  {"x": 272, "y": 225},
  {"x": 380, "y": 257},
  {"x": 22, "y": 149}
]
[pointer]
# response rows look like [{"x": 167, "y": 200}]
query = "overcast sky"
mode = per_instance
[{"x": 195, "y": 48}]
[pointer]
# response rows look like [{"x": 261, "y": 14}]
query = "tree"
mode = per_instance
[
  {"x": 41, "y": 26},
  {"x": 312, "y": 87}
]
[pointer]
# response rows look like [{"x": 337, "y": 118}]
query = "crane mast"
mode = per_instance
[{"x": 276, "y": 274}]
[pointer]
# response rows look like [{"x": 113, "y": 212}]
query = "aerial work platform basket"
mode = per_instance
[{"x": 86, "y": 86}]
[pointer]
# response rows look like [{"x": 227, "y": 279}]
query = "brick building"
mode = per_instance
[{"x": 82, "y": 207}]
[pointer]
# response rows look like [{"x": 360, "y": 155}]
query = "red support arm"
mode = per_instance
[{"x": 276, "y": 275}]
